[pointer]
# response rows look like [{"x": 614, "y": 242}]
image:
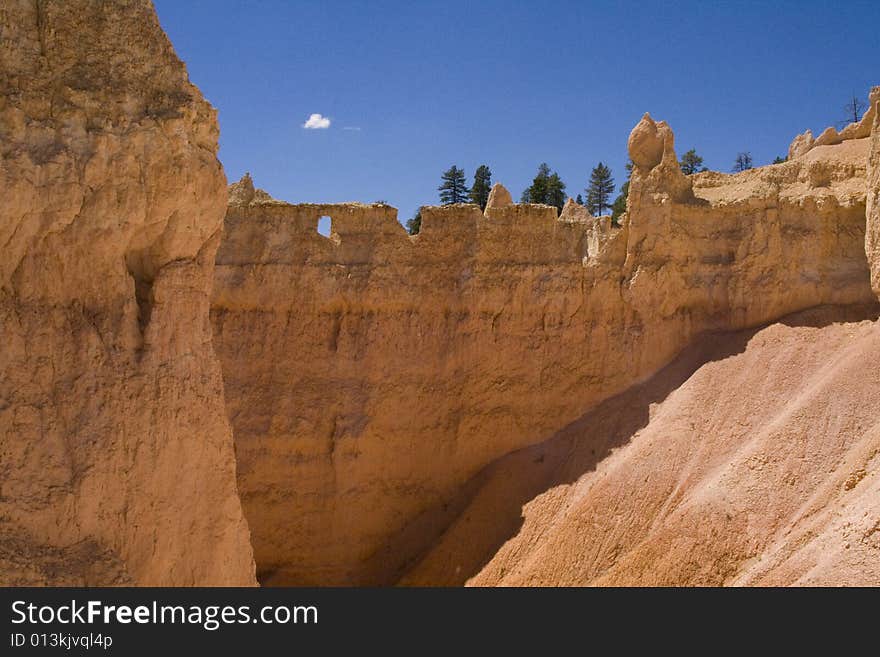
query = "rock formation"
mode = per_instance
[
  {"x": 829, "y": 137},
  {"x": 118, "y": 461},
  {"x": 752, "y": 459},
  {"x": 872, "y": 238},
  {"x": 800, "y": 145},
  {"x": 499, "y": 197},
  {"x": 599, "y": 229},
  {"x": 371, "y": 375},
  {"x": 573, "y": 212},
  {"x": 507, "y": 397}
]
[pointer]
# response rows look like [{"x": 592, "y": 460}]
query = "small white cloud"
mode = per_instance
[
  {"x": 317, "y": 122},
  {"x": 353, "y": 128}
]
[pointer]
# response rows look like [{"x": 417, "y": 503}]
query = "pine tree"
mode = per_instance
[
  {"x": 619, "y": 205},
  {"x": 555, "y": 192},
  {"x": 779, "y": 159},
  {"x": 414, "y": 225},
  {"x": 691, "y": 163},
  {"x": 579, "y": 200},
  {"x": 599, "y": 190},
  {"x": 537, "y": 191},
  {"x": 743, "y": 161},
  {"x": 482, "y": 186},
  {"x": 547, "y": 188},
  {"x": 454, "y": 186}
]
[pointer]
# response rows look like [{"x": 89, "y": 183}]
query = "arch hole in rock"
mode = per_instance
[{"x": 325, "y": 224}]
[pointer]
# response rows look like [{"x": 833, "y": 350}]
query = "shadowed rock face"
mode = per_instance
[
  {"x": 370, "y": 375},
  {"x": 117, "y": 459},
  {"x": 752, "y": 459}
]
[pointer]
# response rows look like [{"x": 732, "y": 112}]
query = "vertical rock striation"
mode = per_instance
[
  {"x": 872, "y": 233},
  {"x": 117, "y": 459}
]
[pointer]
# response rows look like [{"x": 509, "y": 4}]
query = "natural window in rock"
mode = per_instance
[{"x": 324, "y": 224}]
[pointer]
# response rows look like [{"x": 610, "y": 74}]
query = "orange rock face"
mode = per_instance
[
  {"x": 505, "y": 398},
  {"x": 872, "y": 237},
  {"x": 752, "y": 459},
  {"x": 117, "y": 459},
  {"x": 370, "y": 375}
]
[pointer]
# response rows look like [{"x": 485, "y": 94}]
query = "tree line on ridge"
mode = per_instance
[{"x": 548, "y": 188}]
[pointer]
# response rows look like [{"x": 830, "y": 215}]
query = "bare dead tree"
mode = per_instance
[{"x": 853, "y": 111}]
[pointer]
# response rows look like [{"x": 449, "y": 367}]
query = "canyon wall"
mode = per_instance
[
  {"x": 369, "y": 374},
  {"x": 117, "y": 458},
  {"x": 372, "y": 376},
  {"x": 872, "y": 236},
  {"x": 752, "y": 459}
]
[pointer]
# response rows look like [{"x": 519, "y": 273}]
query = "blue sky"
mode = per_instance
[{"x": 424, "y": 85}]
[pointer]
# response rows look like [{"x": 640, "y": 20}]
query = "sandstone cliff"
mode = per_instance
[
  {"x": 117, "y": 460},
  {"x": 490, "y": 401},
  {"x": 752, "y": 459},
  {"x": 370, "y": 375},
  {"x": 872, "y": 237}
]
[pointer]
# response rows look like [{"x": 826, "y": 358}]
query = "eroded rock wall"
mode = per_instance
[
  {"x": 370, "y": 374},
  {"x": 117, "y": 458},
  {"x": 752, "y": 459},
  {"x": 872, "y": 236}
]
